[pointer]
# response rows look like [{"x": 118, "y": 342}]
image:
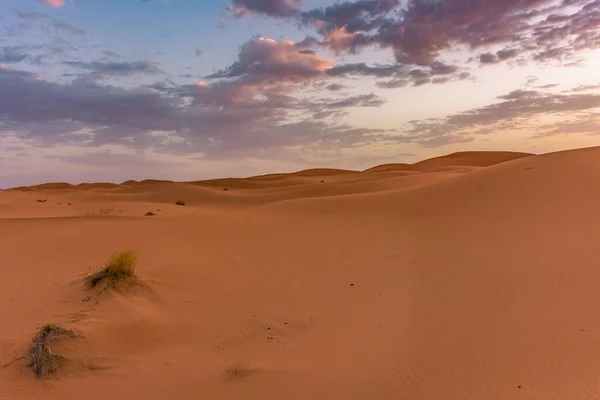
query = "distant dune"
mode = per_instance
[
  {"x": 461, "y": 159},
  {"x": 465, "y": 277},
  {"x": 390, "y": 167}
]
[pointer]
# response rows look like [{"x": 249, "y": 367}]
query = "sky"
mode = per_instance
[{"x": 115, "y": 90}]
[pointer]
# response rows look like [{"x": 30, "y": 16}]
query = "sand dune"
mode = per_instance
[
  {"x": 466, "y": 277},
  {"x": 454, "y": 160}
]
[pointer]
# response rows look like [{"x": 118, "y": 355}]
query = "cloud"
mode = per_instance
[
  {"x": 47, "y": 23},
  {"x": 364, "y": 100},
  {"x": 263, "y": 59},
  {"x": 392, "y": 84},
  {"x": 501, "y": 55},
  {"x": 12, "y": 54},
  {"x": 271, "y": 8},
  {"x": 334, "y": 87},
  {"x": 518, "y": 109},
  {"x": 547, "y": 86},
  {"x": 520, "y": 94},
  {"x": 53, "y": 3},
  {"x": 362, "y": 69},
  {"x": 251, "y": 107},
  {"x": 99, "y": 69},
  {"x": 354, "y": 17},
  {"x": 586, "y": 124},
  {"x": 41, "y": 54},
  {"x": 111, "y": 54},
  {"x": 436, "y": 72},
  {"x": 586, "y": 88},
  {"x": 419, "y": 32}
]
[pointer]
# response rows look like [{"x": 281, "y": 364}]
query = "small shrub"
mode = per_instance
[
  {"x": 40, "y": 201},
  {"x": 40, "y": 355},
  {"x": 180, "y": 203},
  {"x": 119, "y": 268},
  {"x": 150, "y": 214}
]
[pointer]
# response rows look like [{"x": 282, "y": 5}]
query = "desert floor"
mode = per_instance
[{"x": 458, "y": 278}]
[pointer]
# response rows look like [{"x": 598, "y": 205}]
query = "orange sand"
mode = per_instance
[{"x": 457, "y": 278}]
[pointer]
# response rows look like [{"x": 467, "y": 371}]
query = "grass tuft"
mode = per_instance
[
  {"x": 40, "y": 201},
  {"x": 180, "y": 203},
  {"x": 150, "y": 214},
  {"x": 40, "y": 356},
  {"x": 120, "y": 267}
]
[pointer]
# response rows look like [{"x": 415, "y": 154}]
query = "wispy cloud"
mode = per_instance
[
  {"x": 53, "y": 3},
  {"x": 100, "y": 69},
  {"x": 516, "y": 110},
  {"x": 47, "y": 22}
]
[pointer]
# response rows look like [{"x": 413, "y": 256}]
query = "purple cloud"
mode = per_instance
[
  {"x": 99, "y": 69},
  {"x": 12, "y": 54},
  {"x": 271, "y": 8},
  {"x": 419, "y": 31},
  {"x": 245, "y": 108}
]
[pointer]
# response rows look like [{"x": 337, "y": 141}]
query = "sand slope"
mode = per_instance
[{"x": 458, "y": 284}]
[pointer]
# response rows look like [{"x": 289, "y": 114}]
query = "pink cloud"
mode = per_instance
[
  {"x": 262, "y": 59},
  {"x": 53, "y": 3}
]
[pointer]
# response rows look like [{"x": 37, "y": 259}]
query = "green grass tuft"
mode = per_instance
[
  {"x": 120, "y": 267},
  {"x": 41, "y": 358}
]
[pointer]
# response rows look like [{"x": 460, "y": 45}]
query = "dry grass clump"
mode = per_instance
[
  {"x": 238, "y": 371},
  {"x": 119, "y": 268},
  {"x": 150, "y": 214},
  {"x": 180, "y": 203},
  {"x": 40, "y": 356},
  {"x": 104, "y": 212}
]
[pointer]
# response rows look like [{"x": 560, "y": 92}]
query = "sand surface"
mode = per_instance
[{"x": 459, "y": 278}]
